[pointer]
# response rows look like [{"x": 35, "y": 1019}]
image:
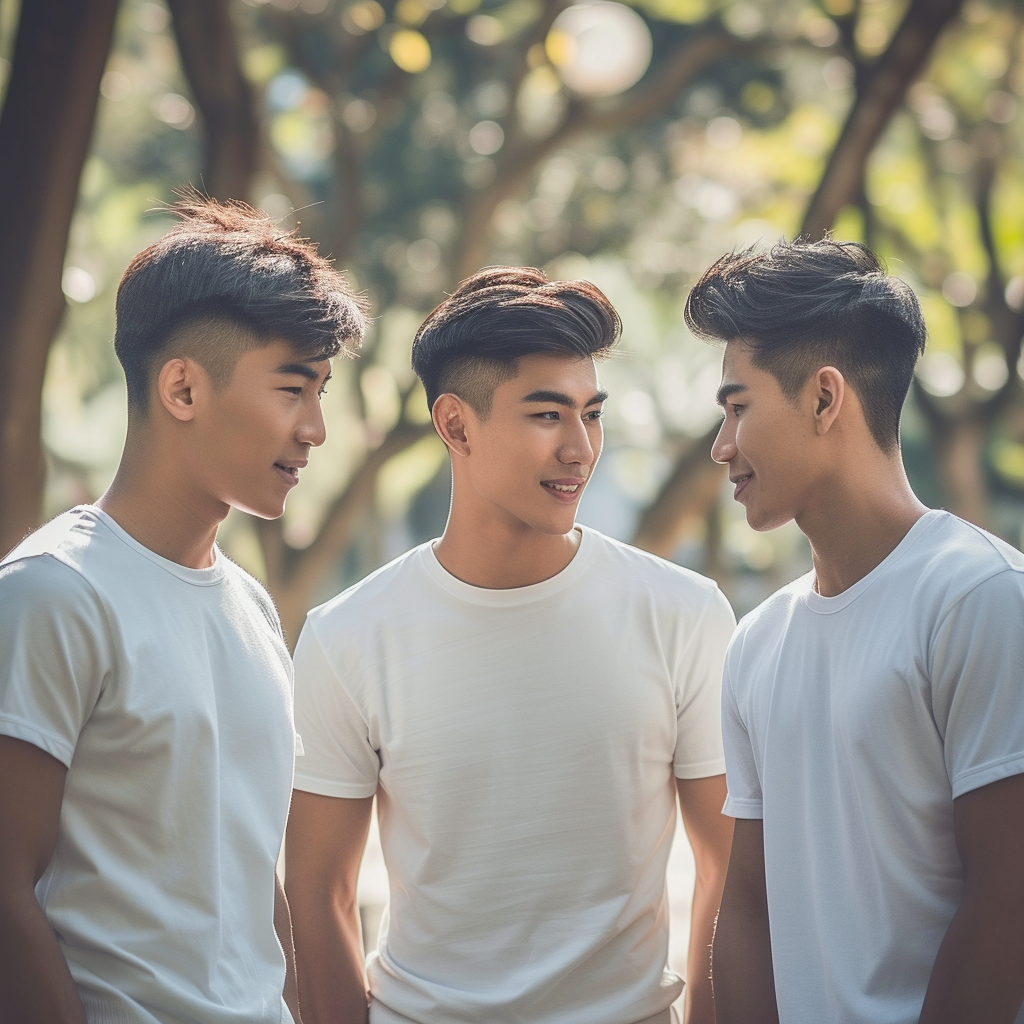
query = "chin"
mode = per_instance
[
  {"x": 260, "y": 509},
  {"x": 763, "y": 522}
]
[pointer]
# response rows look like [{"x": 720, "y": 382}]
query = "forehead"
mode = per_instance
[
  {"x": 280, "y": 355},
  {"x": 552, "y": 372}
]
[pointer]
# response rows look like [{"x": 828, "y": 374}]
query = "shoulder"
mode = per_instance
[
  {"x": 373, "y": 597},
  {"x": 771, "y": 616},
  {"x": 254, "y": 591},
  {"x": 956, "y": 560},
  {"x": 629, "y": 565},
  {"x": 40, "y": 581}
]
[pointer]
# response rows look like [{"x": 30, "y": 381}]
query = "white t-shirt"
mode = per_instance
[
  {"x": 522, "y": 744},
  {"x": 851, "y": 724},
  {"x": 167, "y": 693}
]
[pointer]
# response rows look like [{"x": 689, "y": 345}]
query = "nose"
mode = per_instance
[
  {"x": 312, "y": 430},
  {"x": 724, "y": 448},
  {"x": 579, "y": 447}
]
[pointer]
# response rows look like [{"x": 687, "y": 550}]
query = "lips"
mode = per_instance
[
  {"x": 289, "y": 469},
  {"x": 740, "y": 482},
  {"x": 566, "y": 490}
]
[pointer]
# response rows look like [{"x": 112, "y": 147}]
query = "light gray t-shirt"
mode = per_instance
[
  {"x": 167, "y": 692},
  {"x": 523, "y": 746},
  {"x": 851, "y": 724}
]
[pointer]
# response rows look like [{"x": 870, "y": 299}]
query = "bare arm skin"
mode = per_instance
[
  {"x": 742, "y": 955},
  {"x": 283, "y": 927},
  {"x": 35, "y": 983},
  {"x": 979, "y": 971},
  {"x": 323, "y": 848},
  {"x": 710, "y": 835}
]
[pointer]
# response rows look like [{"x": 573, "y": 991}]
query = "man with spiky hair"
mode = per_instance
[
  {"x": 872, "y": 711},
  {"x": 146, "y": 736},
  {"x": 529, "y": 700}
]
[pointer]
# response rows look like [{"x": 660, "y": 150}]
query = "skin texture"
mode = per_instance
[
  {"x": 506, "y": 528},
  {"x": 323, "y": 848},
  {"x": 813, "y": 460},
  {"x": 710, "y": 835},
  {"x": 199, "y": 451}
]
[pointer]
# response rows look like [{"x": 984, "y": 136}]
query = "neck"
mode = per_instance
[
  {"x": 500, "y": 553},
  {"x": 153, "y": 500},
  {"x": 862, "y": 519}
]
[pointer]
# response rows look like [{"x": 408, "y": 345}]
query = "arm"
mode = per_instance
[
  {"x": 710, "y": 834},
  {"x": 742, "y": 954},
  {"x": 323, "y": 848},
  {"x": 35, "y": 983},
  {"x": 283, "y": 927},
  {"x": 979, "y": 971}
]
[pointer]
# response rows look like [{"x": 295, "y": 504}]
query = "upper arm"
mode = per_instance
[
  {"x": 697, "y": 678},
  {"x": 988, "y": 825},
  {"x": 31, "y": 790},
  {"x": 745, "y": 886},
  {"x": 707, "y": 828},
  {"x": 324, "y": 842}
]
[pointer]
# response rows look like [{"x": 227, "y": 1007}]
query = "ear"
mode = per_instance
[
  {"x": 828, "y": 395},
  {"x": 175, "y": 384},
  {"x": 449, "y": 416}
]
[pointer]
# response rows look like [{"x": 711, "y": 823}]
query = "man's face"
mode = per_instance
[
  {"x": 532, "y": 456},
  {"x": 254, "y": 434},
  {"x": 766, "y": 440}
]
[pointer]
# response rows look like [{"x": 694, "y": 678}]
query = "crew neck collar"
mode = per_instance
[
  {"x": 207, "y": 577},
  {"x": 512, "y": 596},
  {"x": 828, "y": 605}
]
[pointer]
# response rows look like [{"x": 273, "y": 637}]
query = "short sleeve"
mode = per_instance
[
  {"x": 54, "y": 654},
  {"x": 741, "y": 777},
  {"x": 338, "y": 758},
  {"x": 977, "y": 676},
  {"x": 698, "y": 752}
]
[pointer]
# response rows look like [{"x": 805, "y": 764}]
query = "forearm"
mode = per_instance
[
  {"x": 699, "y": 1003},
  {"x": 979, "y": 971},
  {"x": 283, "y": 927},
  {"x": 741, "y": 966},
  {"x": 35, "y": 983},
  {"x": 329, "y": 956}
]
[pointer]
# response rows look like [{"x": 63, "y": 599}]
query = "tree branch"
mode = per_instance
[
  {"x": 883, "y": 91},
  {"x": 209, "y": 57}
]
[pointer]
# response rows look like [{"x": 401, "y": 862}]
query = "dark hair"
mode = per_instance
[
  {"x": 803, "y": 305},
  {"x": 470, "y": 343},
  {"x": 224, "y": 279}
]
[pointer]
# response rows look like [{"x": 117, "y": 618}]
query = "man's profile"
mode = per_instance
[
  {"x": 528, "y": 700},
  {"x": 146, "y": 736},
  {"x": 872, "y": 709}
]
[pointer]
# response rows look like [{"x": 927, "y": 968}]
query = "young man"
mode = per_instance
[
  {"x": 526, "y": 698},
  {"x": 146, "y": 737},
  {"x": 874, "y": 727}
]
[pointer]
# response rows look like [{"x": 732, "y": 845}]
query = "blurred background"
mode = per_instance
[{"x": 417, "y": 140}]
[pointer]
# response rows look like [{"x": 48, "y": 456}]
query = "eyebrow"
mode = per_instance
[
  {"x": 726, "y": 390},
  {"x": 301, "y": 370},
  {"x": 561, "y": 398}
]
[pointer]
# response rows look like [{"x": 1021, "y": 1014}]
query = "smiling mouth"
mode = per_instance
[
  {"x": 564, "y": 490},
  {"x": 740, "y": 482},
  {"x": 291, "y": 472}
]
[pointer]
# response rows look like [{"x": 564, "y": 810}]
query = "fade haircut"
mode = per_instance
[
  {"x": 803, "y": 305},
  {"x": 473, "y": 340},
  {"x": 223, "y": 281}
]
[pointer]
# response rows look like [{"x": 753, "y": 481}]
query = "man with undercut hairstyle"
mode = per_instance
[
  {"x": 146, "y": 734},
  {"x": 527, "y": 699},
  {"x": 873, "y": 720}
]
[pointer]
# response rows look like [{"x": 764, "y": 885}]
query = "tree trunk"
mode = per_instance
[
  {"x": 209, "y": 57},
  {"x": 691, "y": 491},
  {"x": 59, "y": 55},
  {"x": 882, "y": 93},
  {"x": 960, "y": 449}
]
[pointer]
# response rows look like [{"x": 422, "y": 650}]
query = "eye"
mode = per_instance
[
  {"x": 735, "y": 409},
  {"x": 550, "y": 416},
  {"x": 293, "y": 391},
  {"x": 595, "y": 414}
]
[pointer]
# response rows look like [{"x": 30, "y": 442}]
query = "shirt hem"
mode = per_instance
[
  {"x": 19, "y": 729},
  {"x": 704, "y": 770},
  {"x": 736, "y": 808},
  {"x": 987, "y": 774},
  {"x": 329, "y": 787}
]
